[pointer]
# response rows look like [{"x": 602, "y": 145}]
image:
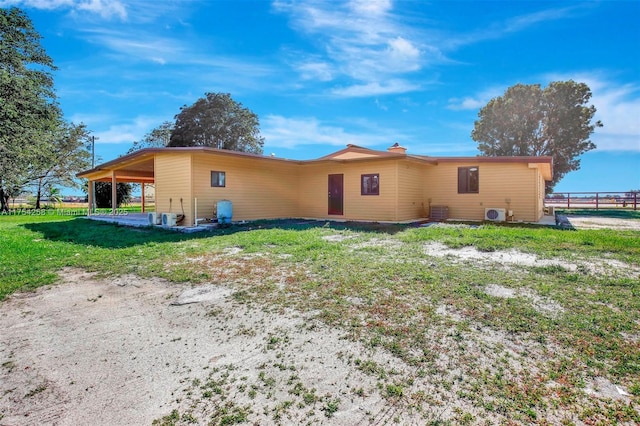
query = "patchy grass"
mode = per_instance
[{"x": 499, "y": 353}]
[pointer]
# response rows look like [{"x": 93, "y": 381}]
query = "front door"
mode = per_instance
[{"x": 335, "y": 194}]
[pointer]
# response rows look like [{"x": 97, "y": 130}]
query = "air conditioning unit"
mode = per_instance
[
  {"x": 169, "y": 219},
  {"x": 495, "y": 215},
  {"x": 154, "y": 218}
]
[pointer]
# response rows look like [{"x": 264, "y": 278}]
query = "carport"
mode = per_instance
[{"x": 131, "y": 168}]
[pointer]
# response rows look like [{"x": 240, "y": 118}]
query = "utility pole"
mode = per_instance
[{"x": 93, "y": 183}]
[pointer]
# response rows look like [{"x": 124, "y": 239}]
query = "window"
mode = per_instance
[
  {"x": 370, "y": 184},
  {"x": 468, "y": 180},
  {"x": 218, "y": 179}
]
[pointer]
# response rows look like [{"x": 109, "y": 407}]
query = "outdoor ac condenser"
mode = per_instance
[
  {"x": 495, "y": 215},
  {"x": 169, "y": 219},
  {"x": 154, "y": 218}
]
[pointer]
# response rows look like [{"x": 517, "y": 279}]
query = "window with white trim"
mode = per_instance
[{"x": 218, "y": 179}]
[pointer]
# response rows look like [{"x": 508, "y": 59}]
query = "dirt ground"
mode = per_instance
[
  {"x": 130, "y": 351},
  {"x": 595, "y": 222}
]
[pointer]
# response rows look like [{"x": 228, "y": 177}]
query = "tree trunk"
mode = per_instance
[
  {"x": 4, "y": 201},
  {"x": 39, "y": 194}
]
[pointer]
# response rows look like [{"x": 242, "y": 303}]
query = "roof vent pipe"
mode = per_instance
[{"x": 396, "y": 148}]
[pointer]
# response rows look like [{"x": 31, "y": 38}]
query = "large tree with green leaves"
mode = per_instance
[
  {"x": 158, "y": 137},
  {"x": 218, "y": 121},
  {"x": 29, "y": 114},
  {"x": 66, "y": 155},
  {"x": 529, "y": 120}
]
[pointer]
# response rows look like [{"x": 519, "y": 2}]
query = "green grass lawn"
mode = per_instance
[{"x": 379, "y": 285}]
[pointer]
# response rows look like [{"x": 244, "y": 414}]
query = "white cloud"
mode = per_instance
[
  {"x": 315, "y": 70},
  {"x": 286, "y": 132},
  {"x": 367, "y": 42},
  {"x": 381, "y": 105},
  {"x": 136, "y": 45},
  {"x": 375, "y": 88},
  {"x": 476, "y": 101},
  {"x": 618, "y": 107},
  {"x": 370, "y": 7},
  {"x": 124, "y": 132},
  {"x": 403, "y": 54},
  {"x": 522, "y": 22},
  {"x": 105, "y": 8},
  {"x": 457, "y": 104},
  {"x": 518, "y": 23},
  {"x": 362, "y": 42}
]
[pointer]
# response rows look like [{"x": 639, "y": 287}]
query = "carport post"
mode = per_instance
[
  {"x": 114, "y": 193},
  {"x": 142, "y": 197},
  {"x": 90, "y": 197}
]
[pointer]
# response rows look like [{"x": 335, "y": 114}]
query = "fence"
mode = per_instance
[{"x": 593, "y": 200}]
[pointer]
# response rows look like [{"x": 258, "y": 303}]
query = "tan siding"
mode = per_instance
[
  {"x": 540, "y": 193},
  {"x": 173, "y": 182},
  {"x": 352, "y": 155},
  {"x": 502, "y": 185},
  {"x": 314, "y": 191},
  {"x": 257, "y": 188},
  {"x": 411, "y": 203},
  {"x": 264, "y": 188}
]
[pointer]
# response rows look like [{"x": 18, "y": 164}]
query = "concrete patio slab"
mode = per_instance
[{"x": 139, "y": 220}]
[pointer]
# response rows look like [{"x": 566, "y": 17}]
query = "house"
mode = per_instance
[{"x": 354, "y": 183}]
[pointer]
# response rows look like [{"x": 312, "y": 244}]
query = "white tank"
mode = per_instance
[{"x": 225, "y": 211}]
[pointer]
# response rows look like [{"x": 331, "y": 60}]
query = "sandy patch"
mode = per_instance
[
  {"x": 594, "y": 222},
  {"x": 543, "y": 305},
  {"x": 129, "y": 350},
  {"x": 378, "y": 242},
  {"x": 603, "y": 388},
  {"x": 337, "y": 238},
  {"x": 514, "y": 257}
]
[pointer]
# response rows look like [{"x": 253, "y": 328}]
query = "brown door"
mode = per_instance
[{"x": 335, "y": 194}]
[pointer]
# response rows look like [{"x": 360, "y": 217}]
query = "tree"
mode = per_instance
[
  {"x": 65, "y": 156},
  {"x": 220, "y": 122},
  {"x": 54, "y": 196},
  {"x": 29, "y": 114},
  {"x": 103, "y": 194},
  {"x": 156, "y": 138},
  {"x": 529, "y": 120}
]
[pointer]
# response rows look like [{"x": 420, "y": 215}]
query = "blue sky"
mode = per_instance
[{"x": 323, "y": 74}]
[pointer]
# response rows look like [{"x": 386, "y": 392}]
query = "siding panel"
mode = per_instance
[
  {"x": 411, "y": 202},
  {"x": 265, "y": 188},
  {"x": 314, "y": 191},
  {"x": 502, "y": 185},
  {"x": 173, "y": 182},
  {"x": 257, "y": 188}
]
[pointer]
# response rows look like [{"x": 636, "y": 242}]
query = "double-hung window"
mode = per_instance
[{"x": 468, "y": 180}]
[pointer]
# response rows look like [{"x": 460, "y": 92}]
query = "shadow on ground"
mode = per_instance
[{"x": 108, "y": 235}]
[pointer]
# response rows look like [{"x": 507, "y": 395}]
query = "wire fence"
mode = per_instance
[{"x": 593, "y": 200}]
